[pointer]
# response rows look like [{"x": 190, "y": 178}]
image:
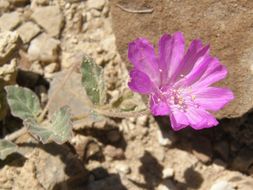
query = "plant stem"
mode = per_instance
[
  {"x": 16, "y": 134},
  {"x": 110, "y": 113}
]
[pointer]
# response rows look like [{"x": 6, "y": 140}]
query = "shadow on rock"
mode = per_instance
[
  {"x": 106, "y": 136},
  {"x": 222, "y": 144},
  {"x": 151, "y": 169},
  {"x": 193, "y": 178},
  {"x": 15, "y": 160},
  {"x": 99, "y": 179}
]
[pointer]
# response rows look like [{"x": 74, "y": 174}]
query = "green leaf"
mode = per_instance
[
  {"x": 74, "y": 96},
  {"x": 93, "y": 81},
  {"x": 7, "y": 148},
  {"x": 23, "y": 102},
  {"x": 58, "y": 130}
]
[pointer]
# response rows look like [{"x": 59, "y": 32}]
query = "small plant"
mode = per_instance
[{"x": 178, "y": 85}]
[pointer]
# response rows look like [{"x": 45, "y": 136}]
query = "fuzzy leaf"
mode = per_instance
[
  {"x": 23, "y": 102},
  {"x": 7, "y": 148},
  {"x": 74, "y": 97},
  {"x": 58, "y": 130},
  {"x": 93, "y": 81}
]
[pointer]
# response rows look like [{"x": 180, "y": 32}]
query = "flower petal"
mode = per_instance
[
  {"x": 213, "y": 98},
  {"x": 214, "y": 72},
  {"x": 199, "y": 118},
  {"x": 140, "y": 82},
  {"x": 189, "y": 59},
  {"x": 178, "y": 120},
  {"x": 171, "y": 52},
  {"x": 158, "y": 107},
  {"x": 142, "y": 55},
  {"x": 197, "y": 72}
]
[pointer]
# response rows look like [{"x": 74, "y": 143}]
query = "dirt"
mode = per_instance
[{"x": 133, "y": 153}]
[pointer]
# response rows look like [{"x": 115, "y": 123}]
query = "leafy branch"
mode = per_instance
[{"x": 25, "y": 105}]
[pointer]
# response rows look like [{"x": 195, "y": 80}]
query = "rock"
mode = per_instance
[
  {"x": 202, "y": 149},
  {"x": 227, "y": 27},
  {"x": 50, "y": 69},
  {"x": 4, "y": 6},
  {"x": 45, "y": 168},
  {"x": 36, "y": 68},
  {"x": 8, "y": 21},
  {"x": 167, "y": 185},
  {"x": 168, "y": 173},
  {"x": 113, "y": 152},
  {"x": 165, "y": 138},
  {"x": 44, "y": 48},
  {"x": 113, "y": 136},
  {"x": 70, "y": 58},
  {"x": 142, "y": 120},
  {"x": 93, "y": 151},
  {"x": 8, "y": 73},
  {"x": 106, "y": 43},
  {"x": 9, "y": 45},
  {"x": 50, "y": 18},
  {"x": 98, "y": 4},
  {"x": 122, "y": 167},
  {"x": 28, "y": 31},
  {"x": 222, "y": 185},
  {"x": 35, "y": 3}
]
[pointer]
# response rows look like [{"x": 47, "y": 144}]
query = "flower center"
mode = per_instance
[{"x": 179, "y": 98}]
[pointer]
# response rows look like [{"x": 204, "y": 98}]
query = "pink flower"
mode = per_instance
[{"x": 178, "y": 83}]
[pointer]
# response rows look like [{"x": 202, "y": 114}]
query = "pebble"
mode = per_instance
[
  {"x": 37, "y": 68},
  {"x": 122, "y": 168},
  {"x": 28, "y": 31},
  {"x": 93, "y": 151},
  {"x": 4, "y": 5},
  {"x": 8, "y": 21},
  {"x": 222, "y": 185},
  {"x": 9, "y": 44},
  {"x": 165, "y": 139},
  {"x": 168, "y": 173},
  {"x": 50, "y": 69},
  {"x": 97, "y": 4},
  {"x": 44, "y": 48},
  {"x": 167, "y": 185},
  {"x": 50, "y": 18},
  {"x": 40, "y": 2},
  {"x": 69, "y": 58},
  {"x": 142, "y": 120},
  {"x": 113, "y": 152}
]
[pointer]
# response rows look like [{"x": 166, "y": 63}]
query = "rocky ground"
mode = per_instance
[{"x": 136, "y": 153}]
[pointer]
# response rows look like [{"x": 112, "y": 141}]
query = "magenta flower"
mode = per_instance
[{"x": 178, "y": 83}]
